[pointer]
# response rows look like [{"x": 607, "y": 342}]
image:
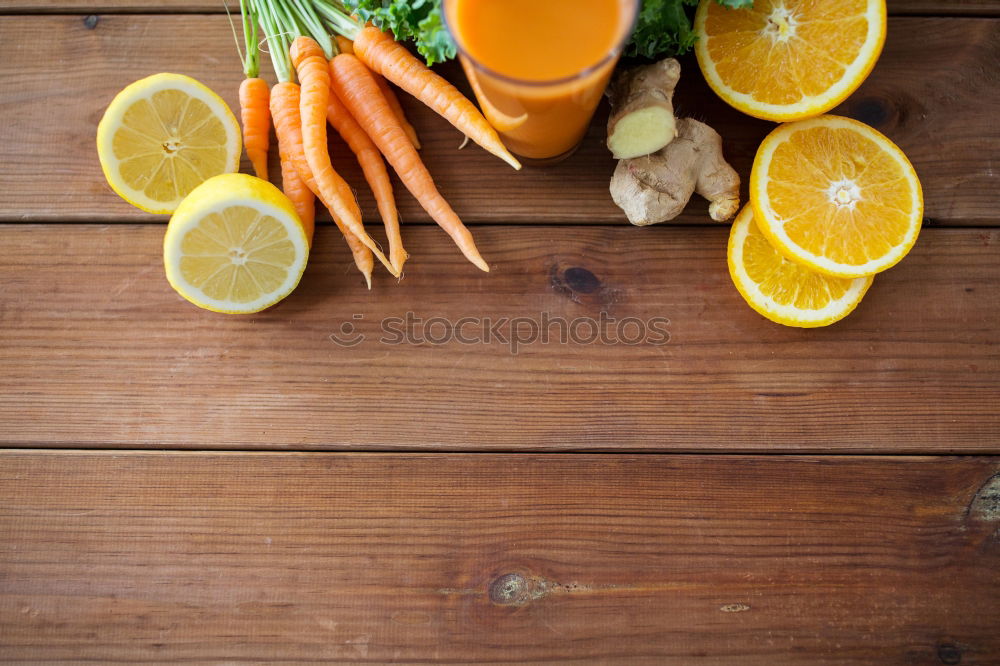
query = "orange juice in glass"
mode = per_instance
[{"x": 539, "y": 67}]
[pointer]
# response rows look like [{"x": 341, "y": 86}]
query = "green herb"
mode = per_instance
[
  {"x": 417, "y": 20},
  {"x": 663, "y": 27}
]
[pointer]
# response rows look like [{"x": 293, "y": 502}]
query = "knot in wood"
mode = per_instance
[
  {"x": 948, "y": 653},
  {"x": 985, "y": 505},
  {"x": 581, "y": 280},
  {"x": 872, "y": 111},
  {"x": 580, "y": 285},
  {"x": 509, "y": 589}
]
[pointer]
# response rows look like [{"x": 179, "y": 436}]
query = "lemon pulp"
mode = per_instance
[
  {"x": 235, "y": 245},
  {"x": 164, "y": 135}
]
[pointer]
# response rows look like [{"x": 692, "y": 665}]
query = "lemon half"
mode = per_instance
[
  {"x": 235, "y": 245},
  {"x": 164, "y": 135}
]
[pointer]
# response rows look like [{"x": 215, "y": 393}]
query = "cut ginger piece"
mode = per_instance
[
  {"x": 655, "y": 188},
  {"x": 642, "y": 111}
]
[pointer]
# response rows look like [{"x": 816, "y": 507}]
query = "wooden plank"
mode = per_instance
[
  {"x": 949, "y": 8},
  {"x": 895, "y": 7},
  {"x": 501, "y": 559},
  {"x": 117, "y": 6},
  {"x": 97, "y": 350},
  {"x": 935, "y": 99}
]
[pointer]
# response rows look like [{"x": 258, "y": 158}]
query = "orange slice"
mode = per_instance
[
  {"x": 788, "y": 59},
  {"x": 781, "y": 290},
  {"x": 834, "y": 195}
]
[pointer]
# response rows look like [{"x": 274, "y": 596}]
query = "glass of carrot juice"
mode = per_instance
[{"x": 539, "y": 68}]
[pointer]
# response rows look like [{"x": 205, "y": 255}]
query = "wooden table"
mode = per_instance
[{"x": 177, "y": 485}]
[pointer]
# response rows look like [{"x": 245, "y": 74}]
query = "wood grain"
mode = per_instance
[
  {"x": 97, "y": 350},
  {"x": 118, "y": 6},
  {"x": 901, "y": 7},
  {"x": 503, "y": 559},
  {"x": 948, "y": 8},
  {"x": 934, "y": 91}
]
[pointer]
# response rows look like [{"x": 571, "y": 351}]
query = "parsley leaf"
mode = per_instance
[
  {"x": 663, "y": 27},
  {"x": 417, "y": 20}
]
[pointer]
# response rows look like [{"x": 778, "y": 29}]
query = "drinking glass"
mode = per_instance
[{"x": 541, "y": 121}]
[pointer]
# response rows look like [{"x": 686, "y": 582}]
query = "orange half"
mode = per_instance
[{"x": 788, "y": 59}]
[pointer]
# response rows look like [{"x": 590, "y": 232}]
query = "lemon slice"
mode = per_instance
[
  {"x": 836, "y": 196},
  {"x": 788, "y": 59},
  {"x": 164, "y": 135},
  {"x": 781, "y": 290},
  {"x": 235, "y": 245}
]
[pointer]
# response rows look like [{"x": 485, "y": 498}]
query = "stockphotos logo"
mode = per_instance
[{"x": 514, "y": 333}]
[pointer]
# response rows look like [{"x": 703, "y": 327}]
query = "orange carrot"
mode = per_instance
[
  {"x": 355, "y": 85},
  {"x": 256, "y": 119},
  {"x": 314, "y": 79},
  {"x": 375, "y": 172},
  {"x": 397, "y": 109},
  {"x": 387, "y": 57},
  {"x": 285, "y": 111},
  {"x": 298, "y": 193},
  {"x": 254, "y": 94},
  {"x": 344, "y": 45},
  {"x": 347, "y": 46},
  {"x": 361, "y": 254}
]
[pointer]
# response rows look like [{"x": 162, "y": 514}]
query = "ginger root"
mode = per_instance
[
  {"x": 642, "y": 110},
  {"x": 655, "y": 188},
  {"x": 663, "y": 160}
]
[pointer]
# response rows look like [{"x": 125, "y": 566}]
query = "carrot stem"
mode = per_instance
[
  {"x": 312, "y": 25},
  {"x": 250, "y": 56},
  {"x": 277, "y": 38},
  {"x": 338, "y": 19}
]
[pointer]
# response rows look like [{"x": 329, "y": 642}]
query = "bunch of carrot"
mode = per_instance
[{"x": 340, "y": 83}]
